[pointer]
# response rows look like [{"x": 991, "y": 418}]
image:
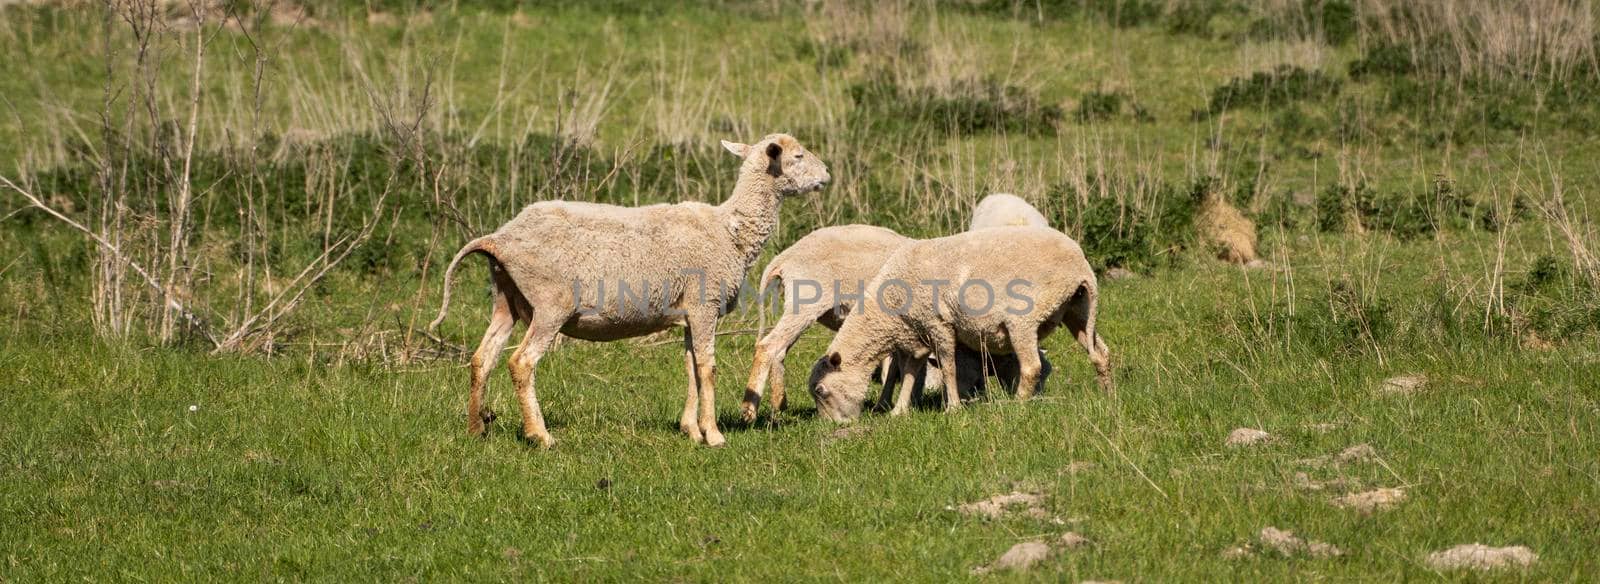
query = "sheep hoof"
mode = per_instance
[
  {"x": 545, "y": 440},
  {"x": 692, "y": 431},
  {"x": 479, "y": 425},
  {"x": 714, "y": 439}
]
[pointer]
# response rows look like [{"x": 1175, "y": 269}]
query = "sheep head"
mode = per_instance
[
  {"x": 794, "y": 170},
  {"x": 838, "y": 390}
]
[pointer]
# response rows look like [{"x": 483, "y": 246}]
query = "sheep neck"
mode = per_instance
[
  {"x": 860, "y": 348},
  {"x": 752, "y": 212}
]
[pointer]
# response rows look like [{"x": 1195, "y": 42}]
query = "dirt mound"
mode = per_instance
[
  {"x": 1403, "y": 384},
  {"x": 1373, "y": 500},
  {"x": 1020, "y": 557},
  {"x": 1359, "y": 453},
  {"x": 998, "y": 506},
  {"x": 1288, "y": 544},
  {"x": 1476, "y": 556},
  {"x": 1304, "y": 482},
  {"x": 1247, "y": 437}
]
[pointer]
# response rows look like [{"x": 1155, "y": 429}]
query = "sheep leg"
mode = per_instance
[
  {"x": 891, "y": 377},
  {"x": 501, "y": 322},
  {"x": 1025, "y": 349},
  {"x": 1079, "y": 318},
  {"x": 688, "y": 423},
  {"x": 770, "y": 352},
  {"x": 523, "y": 362},
  {"x": 702, "y": 341},
  {"x": 944, "y": 347},
  {"x": 913, "y": 370},
  {"x": 1100, "y": 355}
]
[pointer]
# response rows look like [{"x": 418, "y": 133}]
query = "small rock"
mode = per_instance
[
  {"x": 1288, "y": 544},
  {"x": 1236, "y": 553},
  {"x": 1476, "y": 556},
  {"x": 1247, "y": 437},
  {"x": 1022, "y": 556},
  {"x": 1072, "y": 539},
  {"x": 1374, "y": 500},
  {"x": 1403, "y": 384},
  {"x": 1119, "y": 274}
]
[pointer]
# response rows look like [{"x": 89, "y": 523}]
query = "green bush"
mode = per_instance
[
  {"x": 1118, "y": 13},
  {"x": 1138, "y": 237},
  {"x": 1099, "y": 106},
  {"x": 1384, "y": 60},
  {"x": 1270, "y": 89},
  {"x": 1405, "y": 216},
  {"x": 970, "y": 107}
]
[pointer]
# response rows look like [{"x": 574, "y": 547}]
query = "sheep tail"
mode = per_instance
[{"x": 477, "y": 245}]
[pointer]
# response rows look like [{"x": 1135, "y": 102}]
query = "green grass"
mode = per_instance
[
  {"x": 343, "y": 453},
  {"x": 292, "y": 470}
]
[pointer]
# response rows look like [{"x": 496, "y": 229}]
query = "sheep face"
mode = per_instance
[
  {"x": 794, "y": 170},
  {"x": 838, "y": 393}
]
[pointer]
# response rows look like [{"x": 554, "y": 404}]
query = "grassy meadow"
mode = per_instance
[{"x": 222, "y": 228}]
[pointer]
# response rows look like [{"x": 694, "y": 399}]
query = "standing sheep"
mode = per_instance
[
  {"x": 553, "y": 263},
  {"x": 972, "y": 289}
]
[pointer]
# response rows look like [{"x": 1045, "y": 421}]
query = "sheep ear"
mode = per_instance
[
  {"x": 834, "y": 359},
  {"x": 736, "y": 148}
]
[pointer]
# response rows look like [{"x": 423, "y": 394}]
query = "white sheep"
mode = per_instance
[
  {"x": 998, "y": 290},
  {"x": 820, "y": 276},
  {"x": 1005, "y": 210},
  {"x": 999, "y": 210},
  {"x": 603, "y": 272},
  {"x": 834, "y": 262},
  {"x": 826, "y": 266}
]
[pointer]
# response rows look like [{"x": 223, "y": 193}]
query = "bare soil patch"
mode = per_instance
[
  {"x": 1286, "y": 543},
  {"x": 1476, "y": 556},
  {"x": 1247, "y": 437},
  {"x": 1021, "y": 557},
  {"x": 1403, "y": 384},
  {"x": 1367, "y": 502},
  {"x": 1013, "y": 503},
  {"x": 1359, "y": 453}
]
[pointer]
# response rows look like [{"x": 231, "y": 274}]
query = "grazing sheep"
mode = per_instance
[
  {"x": 833, "y": 263},
  {"x": 998, "y": 290},
  {"x": 821, "y": 276},
  {"x": 1005, "y": 210},
  {"x": 999, "y": 210},
  {"x": 554, "y": 263}
]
